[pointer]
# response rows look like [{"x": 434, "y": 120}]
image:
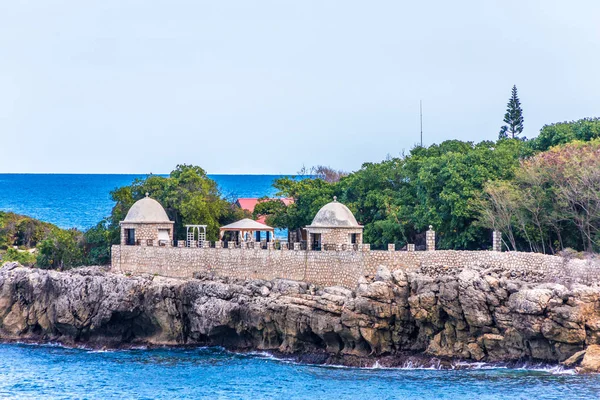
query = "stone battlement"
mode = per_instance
[{"x": 340, "y": 267}]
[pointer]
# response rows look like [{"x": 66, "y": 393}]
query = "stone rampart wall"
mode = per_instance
[{"x": 341, "y": 267}]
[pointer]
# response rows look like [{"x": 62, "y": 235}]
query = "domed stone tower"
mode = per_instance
[
  {"x": 146, "y": 223},
  {"x": 333, "y": 226}
]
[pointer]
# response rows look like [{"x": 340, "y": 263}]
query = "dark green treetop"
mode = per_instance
[{"x": 513, "y": 117}]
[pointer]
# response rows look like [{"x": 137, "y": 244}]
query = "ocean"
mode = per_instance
[
  {"x": 54, "y": 372},
  {"x": 81, "y": 201}
]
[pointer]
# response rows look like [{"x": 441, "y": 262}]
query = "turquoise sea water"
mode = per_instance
[
  {"x": 48, "y": 372},
  {"x": 81, "y": 201}
]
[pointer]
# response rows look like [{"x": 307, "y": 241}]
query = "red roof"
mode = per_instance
[{"x": 250, "y": 203}]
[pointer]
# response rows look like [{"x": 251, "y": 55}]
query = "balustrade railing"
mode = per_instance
[{"x": 263, "y": 245}]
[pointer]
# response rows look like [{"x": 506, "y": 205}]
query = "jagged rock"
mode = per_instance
[
  {"x": 383, "y": 274},
  {"x": 591, "y": 360},
  {"x": 471, "y": 314},
  {"x": 574, "y": 359},
  {"x": 532, "y": 301}
]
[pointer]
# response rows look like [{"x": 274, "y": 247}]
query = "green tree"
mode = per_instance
[
  {"x": 188, "y": 195},
  {"x": 22, "y": 231},
  {"x": 309, "y": 195},
  {"x": 61, "y": 250},
  {"x": 585, "y": 129},
  {"x": 97, "y": 242},
  {"x": 398, "y": 198},
  {"x": 552, "y": 203},
  {"x": 513, "y": 117}
]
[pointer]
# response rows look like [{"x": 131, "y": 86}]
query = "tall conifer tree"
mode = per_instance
[{"x": 513, "y": 117}]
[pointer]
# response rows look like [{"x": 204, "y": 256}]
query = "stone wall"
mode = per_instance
[
  {"x": 335, "y": 236},
  {"x": 342, "y": 268},
  {"x": 145, "y": 231},
  {"x": 340, "y": 236}
]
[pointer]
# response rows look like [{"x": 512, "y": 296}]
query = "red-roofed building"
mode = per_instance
[{"x": 249, "y": 204}]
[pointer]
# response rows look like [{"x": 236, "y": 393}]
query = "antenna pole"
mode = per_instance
[{"x": 421, "y": 112}]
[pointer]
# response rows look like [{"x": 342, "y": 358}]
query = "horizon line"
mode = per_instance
[{"x": 132, "y": 173}]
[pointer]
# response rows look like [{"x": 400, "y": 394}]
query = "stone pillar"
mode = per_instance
[
  {"x": 284, "y": 246},
  {"x": 206, "y": 244},
  {"x": 231, "y": 245},
  {"x": 366, "y": 247},
  {"x": 430, "y": 239},
  {"x": 410, "y": 247},
  {"x": 497, "y": 241},
  {"x": 297, "y": 246},
  {"x": 391, "y": 247},
  {"x": 270, "y": 245},
  {"x": 218, "y": 244},
  {"x": 181, "y": 243}
]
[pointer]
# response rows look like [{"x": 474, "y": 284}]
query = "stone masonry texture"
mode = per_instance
[{"x": 342, "y": 268}]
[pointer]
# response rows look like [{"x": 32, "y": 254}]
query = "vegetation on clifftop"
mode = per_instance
[
  {"x": 188, "y": 195},
  {"x": 542, "y": 194},
  {"x": 30, "y": 242},
  {"x": 453, "y": 186},
  {"x": 552, "y": 203}
]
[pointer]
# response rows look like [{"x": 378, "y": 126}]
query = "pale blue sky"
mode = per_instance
[{"x": 267, "y": 86}]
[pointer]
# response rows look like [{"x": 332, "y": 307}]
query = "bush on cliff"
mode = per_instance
[
  {"x": 22, "y": 231},
  {"x": 62, "y": 249},
  {"x": 23, "y": 257}
]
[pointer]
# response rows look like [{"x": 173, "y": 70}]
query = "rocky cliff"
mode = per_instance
[{"x": 470, "y": 314}]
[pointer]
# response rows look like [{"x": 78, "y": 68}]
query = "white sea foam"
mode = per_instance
[
  {"x": 407, "y": 365},
  {"x": 434, "y": 365}
]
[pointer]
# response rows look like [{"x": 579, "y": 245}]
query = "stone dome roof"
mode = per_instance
[
  {"x": 334, "y": 215},
  {"x": 147, "y": 210}
]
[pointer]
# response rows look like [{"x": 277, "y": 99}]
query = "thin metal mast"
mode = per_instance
[{"x": 421, "y": 112}]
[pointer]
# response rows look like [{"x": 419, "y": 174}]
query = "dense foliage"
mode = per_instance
[
  {"x": 552, "y": 203},
  {"x": 398, "y": 198},
  {"x": 21, "y": 231},
  {"x": 542, "y": 194},
  {"x": 462, "y": 189},
  {"x": 56, "y": 247},
  {"x": 188, "y": 196},
  {"x": 585, "y": 129},
  {"x": 61, "y": 250}
]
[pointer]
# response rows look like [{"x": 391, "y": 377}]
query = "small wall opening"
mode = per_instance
[
  {"x": 130, "y": 237},
  {"x": 315, "y": 243},
  {"x": 164, "y": 236}
]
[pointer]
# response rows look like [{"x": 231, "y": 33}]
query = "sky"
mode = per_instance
[{"x": 266, "y": 87}]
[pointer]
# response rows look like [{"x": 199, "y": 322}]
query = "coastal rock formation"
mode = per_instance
[{"x": 470, "y": 314}]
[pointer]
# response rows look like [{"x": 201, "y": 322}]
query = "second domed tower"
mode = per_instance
[{"x": 333, "y": 227}]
